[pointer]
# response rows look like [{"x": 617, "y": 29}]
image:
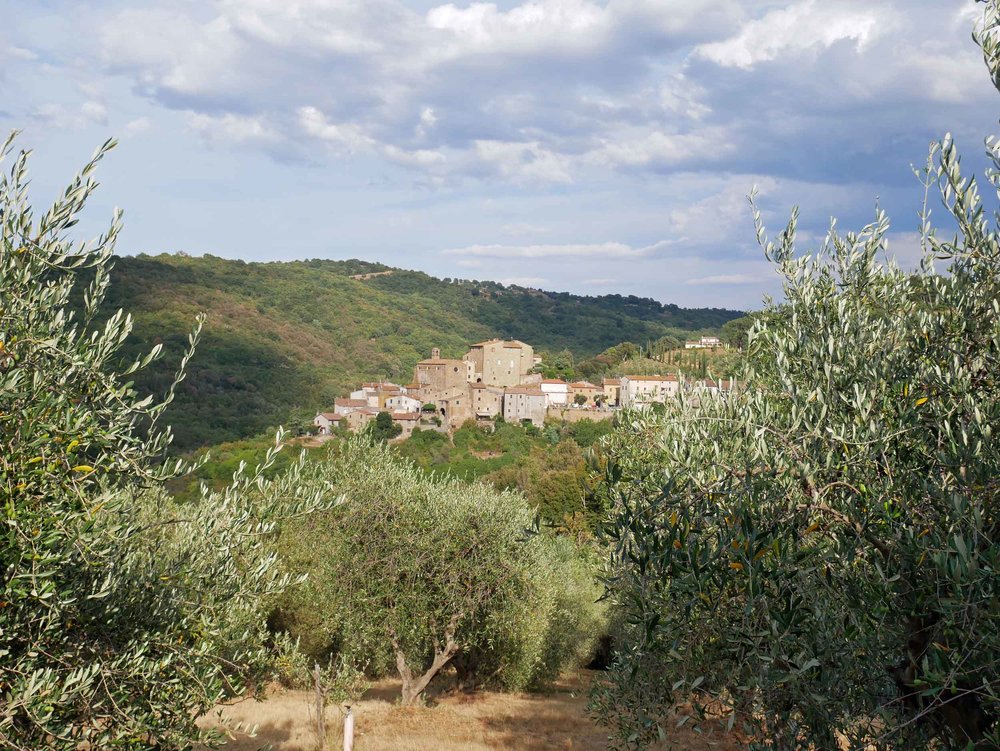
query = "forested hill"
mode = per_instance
[{"x": 293, "y": 335}]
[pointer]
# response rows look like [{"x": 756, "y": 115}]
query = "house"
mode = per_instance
[
  {"x": 367, "y": 393},
  {"x": 585, "y": 389},
  {"x": 557, "y": 391},
  {"x": 500, "y": 363},
  {"x": 403, "y": 403},
  {"x": 612, "y": 391},
  {"x": 359, "y": 419},
  {"x": 706, "y": 342},
  {"x": 407, "y": 421},
  {"x": 522, "y": 403},
  {"x": 345, "y": 407},
  {"x": 325, "y": 422},
  {"x": 637, "y": 391},
  {"x": 711, "y": 386},
  {"x": 487, "y": 401},
  {"x": 455, "y": 407}
]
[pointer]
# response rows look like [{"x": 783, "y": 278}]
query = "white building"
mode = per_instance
[
  {"x": 706, "y": 342},
  {"x": 638, "y": 391},
  {"x": 403, "y": 403},
  {"x": 556, "y": 391},
  {"x": 325, "y": 421}
]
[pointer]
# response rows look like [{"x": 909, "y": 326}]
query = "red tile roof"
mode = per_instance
[{"x": 350, "y": 402}]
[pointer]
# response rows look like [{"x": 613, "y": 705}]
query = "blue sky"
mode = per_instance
[{"x": 584, "y": 145}]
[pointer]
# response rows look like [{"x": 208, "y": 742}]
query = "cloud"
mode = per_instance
[
  {"x": 607, "y": 250},
  {"x": 798, "y": 27},
  {"x": 63, "y": 117},
  {"x": 727, "y": 279}
]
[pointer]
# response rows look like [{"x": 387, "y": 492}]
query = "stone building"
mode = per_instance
[
  {"x": 440, "y": 375},
  {"x": 525, "y": 403},
  {"x": 586, "y": 389},
  {"x": 612, "y": 391},
  {"x": 500, "y": 363},
  {"x": 487, "y": 401}
]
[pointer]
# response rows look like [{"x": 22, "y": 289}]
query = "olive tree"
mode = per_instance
[
  {"x": 415, "y": 573},
  {"x": 122, "y": 616},
  {"x": 819, "y": 551}
]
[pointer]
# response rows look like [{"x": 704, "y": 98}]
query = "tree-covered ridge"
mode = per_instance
[{"x": 282, "y": 337}]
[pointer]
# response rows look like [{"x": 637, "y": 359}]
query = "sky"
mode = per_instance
[{"x": 590, "y": 146}]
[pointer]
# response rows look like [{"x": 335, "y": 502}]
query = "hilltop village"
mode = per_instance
[{"x": 499, "y": 378}]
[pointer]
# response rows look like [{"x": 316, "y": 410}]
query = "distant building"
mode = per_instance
[
  {"x": 500, "y": 363},
  {"x": 455, "y": 407},
  {"x": 359, "y": 419},
  {"x": 344, "y": 407},
  {"x": 438, "y": 375},
  {"x": 638, "y": 391},
  {"x": 325, "y": 422},
  {"x": 557, "y": 391},
  {"x": 407, "y": 421},
  {"x": 487, "y": 401},
  {"x": 612, "y": 391},
  {"x": 586, "y": 389},
  {"x": 706, "y": 342},
  {"x": 525, "y": 403},
  {"x": 403, "y": 403}
]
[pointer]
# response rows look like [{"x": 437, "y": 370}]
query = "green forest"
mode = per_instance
[{"x": 281, "y": 340}]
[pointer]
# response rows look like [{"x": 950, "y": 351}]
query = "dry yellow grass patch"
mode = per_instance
[{"x": 454, "y": 722}]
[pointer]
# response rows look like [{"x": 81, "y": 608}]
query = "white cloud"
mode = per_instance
[
  {"x": 231, "y": 128},
  {"x": 796, "y": 28},
  {"x": 525, "y": 161},
  {"x": 62, "y": 117},
  {"x": 137, "y": 126}
]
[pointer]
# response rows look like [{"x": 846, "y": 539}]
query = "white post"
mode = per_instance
[{"x": 349, "y": 730}]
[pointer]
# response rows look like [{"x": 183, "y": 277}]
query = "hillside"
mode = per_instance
[{"x": 290, "y": 336}]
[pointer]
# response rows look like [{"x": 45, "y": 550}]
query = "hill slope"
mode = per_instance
[{"x": 286, "y": 336}]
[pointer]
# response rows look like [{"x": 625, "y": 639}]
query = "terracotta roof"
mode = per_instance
[
  {"x": 389, "y": 389},
  {"x": 611, "y": 382},
  {"x": 488, "y": 341},
  {"x": 413, "y": 387},
  {"x": 329, "y": 415},
  {"x": 513, "y": 345},
  {"x": 554, "y": 380},
  {"x": 582, "y": 385},
  {"x": 439, "y": 362},
  {"x": 527, "y": 390},
  {"x": 405, "y": 415},
  {"x": 350, "y": 403}
]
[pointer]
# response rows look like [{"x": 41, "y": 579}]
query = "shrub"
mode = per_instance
[
  {"x": 122, "y": 617},
  {"x": 819, "y": 550},
  {"x": 414, "y": 573}
]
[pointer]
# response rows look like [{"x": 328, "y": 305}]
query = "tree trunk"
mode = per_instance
[{"x": 414, "y": 687}]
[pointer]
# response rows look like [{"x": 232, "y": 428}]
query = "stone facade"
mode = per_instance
[
  {"x": 487, "y": 401},
  {"x": 500, "y": 363},
  {"x": 525, "y": 403}
]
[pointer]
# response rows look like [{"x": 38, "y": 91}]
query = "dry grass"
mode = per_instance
[{"x": 453, "y": 722}]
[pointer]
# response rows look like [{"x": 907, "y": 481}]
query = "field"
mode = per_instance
[{"x": 451, "y": 722}]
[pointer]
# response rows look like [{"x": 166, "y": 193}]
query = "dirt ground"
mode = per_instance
[{"x": 451, "y": 722}]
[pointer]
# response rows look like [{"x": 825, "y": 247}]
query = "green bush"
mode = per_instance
[
  {"x": 818, "y": 551},
  {"x": 122, "y": 617}
]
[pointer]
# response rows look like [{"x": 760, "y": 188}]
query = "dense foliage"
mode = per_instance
[
  {"x": 281, "y": 336},
  {"x": 415, "y": 573},
  {"x": 122, "y": 616},
  {"x": 820, "y": 551}
]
